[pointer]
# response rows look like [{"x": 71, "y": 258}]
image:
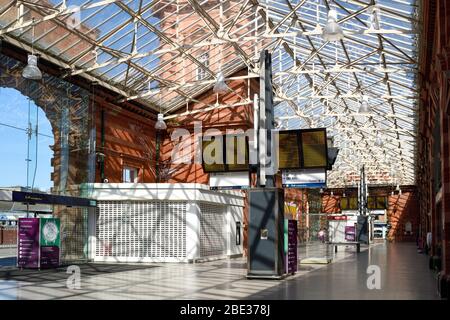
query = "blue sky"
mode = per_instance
[{"x": 13, "y": 142}]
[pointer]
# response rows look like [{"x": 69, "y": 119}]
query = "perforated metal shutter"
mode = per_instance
[
  {"x": 212, "y": 230},
  {"x": 74, "y": 234},
  {"x": 141, "y": 229}
]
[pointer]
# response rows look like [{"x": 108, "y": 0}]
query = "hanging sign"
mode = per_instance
[
  {"x": 309, "y": 178},
  {"x": 229, "y": 180}
]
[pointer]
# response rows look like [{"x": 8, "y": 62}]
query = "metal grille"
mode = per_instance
[
  {"x": 74, "y": 234},
  {"x": 212, "y": 230},
  {"x": 141, "y": 229}
]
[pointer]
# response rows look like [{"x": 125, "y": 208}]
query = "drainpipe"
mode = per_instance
[
  {"x": 102, "y": 138},
  {"x": 157, "y": 147}
]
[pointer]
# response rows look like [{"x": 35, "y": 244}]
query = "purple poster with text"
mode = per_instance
[
  {"x": 28, "y": 243},
  {"x": 292, "y": 247},
  {"x": 350, "y": 233}
]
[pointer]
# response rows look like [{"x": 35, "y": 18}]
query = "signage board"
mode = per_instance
[
  {"x": 309, "y": 178},
  {"x": 225, "y": 153},
  {"x": 28, "y": 243},
  {"x": 330, "y": 217},
  {"x": 290, "y": 245},
  {"x": 39, "y": 243},
  {"x": 288, "y": 150},
  {"x": 45, "y": 198},
  {"x": 350, "y": 233},
  {"x": 302, "y": 149},
  {"x": 50, "y": 232},
  {"x": 314, "y": 148},
  {"x": 229, "y": 180}
]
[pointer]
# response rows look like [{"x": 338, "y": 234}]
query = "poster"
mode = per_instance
[
  {"x": 28, "y": 243},
  {"x": 38, "y": 243},
  {"x": 49, "y": 242},
  {"x": 290, "y": 245},
  {"x": 350, "y": 233},
  {"x": 49, "y": 232}
]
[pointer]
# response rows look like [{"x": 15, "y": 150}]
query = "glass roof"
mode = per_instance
[{"x": 165, "y": 53}]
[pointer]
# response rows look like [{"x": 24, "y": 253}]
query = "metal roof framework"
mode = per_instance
[{"x": 141, "y": 49}]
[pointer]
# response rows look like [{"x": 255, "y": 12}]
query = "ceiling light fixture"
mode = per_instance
[
  {"x": 332, "y": 31},
  {"x": 364, "y": 107},
  {"x": 160, "y": 123},
  {"x": 31, "y": 70},
  {"x": 374, "y": 18},
  {"x": 378, "y": 141},
  {"x": 220, "y": 86}
]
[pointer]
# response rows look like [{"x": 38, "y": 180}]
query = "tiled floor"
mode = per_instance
[{"x": 404, "y": 275}]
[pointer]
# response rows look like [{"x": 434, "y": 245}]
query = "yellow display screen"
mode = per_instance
[
  {"x": 349, "y": 203},
  {"x": 212, "y": 155},
  {"x": 237, "y": 153},
  {"x": 225, "y": 153},
  {"x": 288, "y": 150},
  {"x": 314, "y": 148}
]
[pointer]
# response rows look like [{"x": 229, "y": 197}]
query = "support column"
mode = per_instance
[
  {"x": 192, "y": 231},
  {"x": 445, "y": 171}
]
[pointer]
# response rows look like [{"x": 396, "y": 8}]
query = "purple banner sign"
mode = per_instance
[
  {"x": 49, "y": 257},
  {"x": 28, "y": 243},
  {"x": 292, "y": 247},
  {"x": 350, "y": 233}
]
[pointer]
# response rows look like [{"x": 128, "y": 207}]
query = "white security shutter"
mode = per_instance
[
  {"x": 212, "y": 230},
  {"x": 141, "y": 229}
]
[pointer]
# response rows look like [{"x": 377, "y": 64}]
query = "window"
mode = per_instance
[
  {"x": 129, "y": 174},
  {"x": 204, "y": 59}
]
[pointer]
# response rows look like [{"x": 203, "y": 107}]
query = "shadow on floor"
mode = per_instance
[{"x": 51, "y": 275}]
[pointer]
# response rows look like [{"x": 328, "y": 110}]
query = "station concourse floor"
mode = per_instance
[{"x": 404, "y": 275}]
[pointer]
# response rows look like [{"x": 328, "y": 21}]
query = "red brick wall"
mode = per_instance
[
  {"x": 8, "y": 235},
  {"x": 230, "y": 118},
  {"x": 129, "y": 141},
  {"x": 330, "y": 204},
  {"x": 401, "y": 209}
]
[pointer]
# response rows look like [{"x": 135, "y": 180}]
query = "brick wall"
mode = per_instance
[
  {"x": 400, "y": 210},
  {"x": 8, "y": 235}
]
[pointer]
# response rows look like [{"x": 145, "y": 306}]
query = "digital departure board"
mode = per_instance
[
  {"x": 288, "y": 150},
  {"x": 314, "y": 148},
  {"x": 236, "y": 153},
  {"x": 302, "y": 149},
  {"x": 213, "y": 155},
  {"x": 225, "y": 153}
]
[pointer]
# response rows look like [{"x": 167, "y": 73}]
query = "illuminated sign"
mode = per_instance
[
  {"x": 314, "y": 148},
  {"x": 302, "y": 149},
  {"x": 308, "y": 178},
  {"x": 225, "y": 153},
  {"x": 288, "y": 150}
]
